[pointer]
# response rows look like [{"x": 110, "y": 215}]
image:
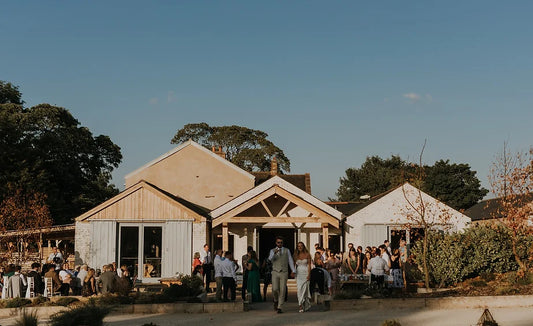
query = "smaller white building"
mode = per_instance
[{"x": 393, "y": 216}]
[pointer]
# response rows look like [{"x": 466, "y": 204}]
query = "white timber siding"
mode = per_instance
[
  {"x": 199, "y": 237},
  {"x": 177, "y": 244},
  {"x": 83, "y": 243},
  {"x": 103, "y": 243}
]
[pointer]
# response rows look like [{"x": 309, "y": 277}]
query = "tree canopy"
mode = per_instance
[
  {"x": 10, "y": 93},
  {"x": 454, "y": 184},
  {"x": 247, "y": 148},
  {"x": 45, "y": 150}
]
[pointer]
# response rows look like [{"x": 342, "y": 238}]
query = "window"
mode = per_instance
[{"x": 141, "y": 243}]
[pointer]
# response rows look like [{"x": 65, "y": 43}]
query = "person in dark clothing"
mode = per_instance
[{"x": 38, "y": 284}]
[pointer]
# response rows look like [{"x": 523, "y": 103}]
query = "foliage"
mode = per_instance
[
  {"x": 375, "y": 176},
  {"x": 23, "y": 211},
  {"x": 478, "y": 251},
  {"x": 191, "y": 286},
  {"x": 511, "y": 180},
  {"x": 65, "y": 301},
  {"x": 45, "y": 150},
  {"x": 10, "y": 93},
  {"x": 247, "y": 148},
  {"x": 27, "y": 318},
  {"x": 110, "y": 300},
  {"x": 90, "y": 315},
  {"x": 391, "y": 322},
  {"x": 349, "y": 294},
  {"x": 16, "y": 303},
  {"x": 40, "y": 300},
  {"x": 454, "y": 184}
]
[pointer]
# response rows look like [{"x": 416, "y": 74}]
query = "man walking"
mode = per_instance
[{"x": 281, "y": 259}]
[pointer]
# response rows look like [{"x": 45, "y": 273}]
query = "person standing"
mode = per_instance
[
  {"x": 280, "y": 258},
  {"x": 56, "y": 258},
  {"x": 229, "y": 277},
  {"x": 218, "y": 274},
  {"x": 207, "y": 266},
  {"x": 244, "y": 261},
  {"x": 303, "y": 275},
  {"x": 107, "y": 280},
  {"x": 377, "y": 267},
  {"x": 253, "y": 287}
]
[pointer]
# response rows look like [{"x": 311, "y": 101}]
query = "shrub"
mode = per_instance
[
  {"x": 37, "y": 301},
  {"x": 505, "y": 290},
  {"x": 65, "y": 301},
  {"x": 478, "y": 283},
  {"x": 349, "y": 294},
  {"x": 479, "y": 250},
  {"x": 391, "y": 322},
  {"x": 110, "y": 300},
  {"x": 89, "y": 315},
  {"x": 190, "y": 286},
  {"x": 27, "y": 318},
  {"x": 16, "y": 303}
]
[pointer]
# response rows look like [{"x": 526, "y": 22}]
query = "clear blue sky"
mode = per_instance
[{"x": 331, "y": 82}]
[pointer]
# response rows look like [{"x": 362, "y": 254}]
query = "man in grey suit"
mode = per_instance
[
  {"x": 107, "y": 280},
  {"x": 281, "y": 259}
]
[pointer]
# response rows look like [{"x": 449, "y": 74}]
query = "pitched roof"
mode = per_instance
[
  {"x": 197, "y": 211},
  {"x": 276, "y": 180},
  {"x": 302, "y": 181},
  {"x": 348, "y": 208},
  {"x": 488, "y": 209},
  {"x": 196, "y": 145}
]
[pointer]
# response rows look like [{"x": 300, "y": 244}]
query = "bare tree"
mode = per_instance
[
  {"x": 423, "y": 212},
  {"x": 511, "y": 180}
]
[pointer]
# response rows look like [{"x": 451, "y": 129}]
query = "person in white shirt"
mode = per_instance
[
  {"x": 207, "y": 266},
  {"x": 384, "y": 254},
  {"x": 218, "y": 273},
  {"x": 56, "y": 258},
  {"x": 229, "y": 278},
  {"x": 377, "y": 267}
]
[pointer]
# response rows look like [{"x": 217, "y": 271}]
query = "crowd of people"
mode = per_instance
[
  {"x": 323, "y": 272},
  {"x": 63, "y": 280}
]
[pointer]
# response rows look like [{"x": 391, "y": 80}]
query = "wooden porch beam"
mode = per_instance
[
  {"x": 266, "y": 208},
  {"x": 283, "y": 208}
]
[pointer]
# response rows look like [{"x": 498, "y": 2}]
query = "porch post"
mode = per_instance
[
  {"x": 325, "y": 235},
  {"x": 225, "y": 237}
]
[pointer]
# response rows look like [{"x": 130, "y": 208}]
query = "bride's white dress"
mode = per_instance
[{"x": 304, "y": 298}]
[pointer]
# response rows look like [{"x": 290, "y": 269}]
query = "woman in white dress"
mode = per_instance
[{"x": 302, "y": 259}]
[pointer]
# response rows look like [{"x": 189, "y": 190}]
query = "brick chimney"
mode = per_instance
[
  {"x": 219, "y": 151},
  {"x": 274, "y": 166}
]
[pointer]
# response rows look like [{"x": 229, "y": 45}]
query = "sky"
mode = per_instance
[{"x": 331, "y": 82}]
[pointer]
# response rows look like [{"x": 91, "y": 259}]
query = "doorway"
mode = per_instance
[{"x": 267, "y": 237}]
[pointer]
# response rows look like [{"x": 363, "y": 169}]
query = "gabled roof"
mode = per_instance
[
  {"x": 197, "y": 212},
  {"x": 348, "y": 208},
  {"x": 276, "y": 180},
  {"x": 302, "y": 181},
  {"x": 196, "y": 145},
  {"x": 488, "y": 209}
]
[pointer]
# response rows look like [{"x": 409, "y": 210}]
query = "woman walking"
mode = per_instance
[
  {"x": 253, "y": 277},
  {"x": 302, "y": 259}
]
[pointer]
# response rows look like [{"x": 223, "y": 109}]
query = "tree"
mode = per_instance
[
  {"x": 424, "y": 214},
  {"x": 23, "y": 211},
  {"x": 247, "y": 148},
  {"x": 454, "y": 184},
  {"x": 375, "y": 176},
  {"x": 10, "y": 93},
  {"x": 511, "y": 180},
  {"x": 46, "y": 150}
]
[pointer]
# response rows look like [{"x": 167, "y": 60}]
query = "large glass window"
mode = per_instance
[
  {"x": 152, "y": 251},
  {"x": 141, "y": 250},
  {"x": 129, "y": 249}
]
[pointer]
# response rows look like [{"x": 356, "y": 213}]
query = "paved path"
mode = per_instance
[{"x": 263, "y": 314}]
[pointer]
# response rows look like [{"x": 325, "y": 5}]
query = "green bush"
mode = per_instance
[
  {"x": 479, "y": 283},
  {"x": 89, "y": 315},
  {"x": 191, "y": 286},
  {"x": 110, "y": 300},
  {"x": 505, "y": 290},
  {"x": 16, "y": 303},
  {"x": 27, "y": 318},
  {"x": 479, "y": 250},
  {"x": 65, "y": 301},
  {"x": 391, "y": 322},
  {"x": 38, "y": 301}
]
